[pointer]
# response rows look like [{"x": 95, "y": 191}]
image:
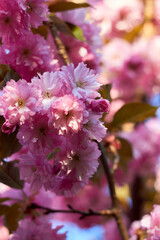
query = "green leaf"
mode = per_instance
[
  {"x": 9, "y": 175},
  {"x": 12, "y": 216},
  {"x": 41, "y": 30},
  {"x": 133, "y": 112},
  {"x": 9, "y": 144},
  {"x": 125, "y": 153},
  {"x": 61, "y": 26},
  {"x": 105, "y": 91},
  {"x": 4, "y": 199},
  {"x": 6, "y": 74},
  {"x": 65, "y": 6},
  {"x": 53, "y": 154},
  {"x": 76, "y": 31},
  {"x": 3, "y": 209}
]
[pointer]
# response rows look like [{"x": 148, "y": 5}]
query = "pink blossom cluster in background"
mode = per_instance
[
  {"x": 148, "y": 228},
  {"x": 37, "y": 229},
  {"x": 134, "y": 71},
  {"x": 145, "y": 153},
  {"x": 29, "y": 53}
]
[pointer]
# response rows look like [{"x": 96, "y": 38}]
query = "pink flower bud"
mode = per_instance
[{"x": 101, "y": 105}]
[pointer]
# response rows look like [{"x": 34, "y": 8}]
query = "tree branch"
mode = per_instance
[
  {"x": 58, "y": 42},
  {"x": 108, "y": 212},
  {"x": 115, "y": 211},
  {"x": 110, "y": 178}
]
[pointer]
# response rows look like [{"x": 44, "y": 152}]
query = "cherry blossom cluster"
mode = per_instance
[
  {"x": 117, "y": 17},
  {"x": 58, "y": 115},
  {"x": 29, "y": 53},
  {"x": 25, "y": 52},
  {"x": 145, "y": 153},
  {"x": 37, "y": 229},
  {"x": 133, "y": 68},
  {"x": 148, "y": 228}
]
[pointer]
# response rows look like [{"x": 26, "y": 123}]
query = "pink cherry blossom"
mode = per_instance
[
  {"x": 83, "y": 80},
  {"x": 36, "y": 229},
  {"x": 13, "y": 21},
  {"x": 67, "y": 114},
  {"x": 29, "y": 55},
  {"x": 100, "y": 105},
  {"x": 50, "y": 86},
  {"x": 94, "y": 127},
  {"x": 18, "y": 102},
  {"x": 36, "y": 134},
  {"x": 36, "y": 10}
]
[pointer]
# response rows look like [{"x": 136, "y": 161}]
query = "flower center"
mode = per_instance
[
  {"x": 7, "y": 20},
  {"x": 80, "y": 84},
  {"x": 20, "y": 103},
  {"x": 47, "y": 94},
  {"x": 26, "y": 52},
  {"x": 42, "y": 130}
]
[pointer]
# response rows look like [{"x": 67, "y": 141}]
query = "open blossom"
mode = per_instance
[
  {"x": 148, "y": 228},
  {"x": 36, "y": 229},
  {"x": 13, "y": 21},
  {"x": 29, "y": 55},
  {"x": 94, "y": 127},
  {"x": 84, "y": 161},
  {"x": 83, "y": 81},
  {"x": 36, "y": 134},
  {"x": 50, "y": 86},
  {"x": 36, "y": 170},
  {"x": 36, "y": 10},
  {"x": 67, "y": 114},
  {"x": 17, "y": 102}
]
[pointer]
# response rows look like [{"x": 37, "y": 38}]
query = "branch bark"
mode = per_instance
[
  {"x": 110, "y": 178},
  {"x": 115, "y": 211},
  {"x": 107, "y": 212},
  {"x": 58, "y": 42}
]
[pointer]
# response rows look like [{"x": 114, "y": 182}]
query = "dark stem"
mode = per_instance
[
  {"x": 115, "y": 212},
  {"x": 108, "y": 212},
  {"x": 110, "y": 178},
  {"x": 58, "y": 42},
  {"x": 137, "y": 199}
]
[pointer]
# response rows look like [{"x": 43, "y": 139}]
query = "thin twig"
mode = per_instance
[
  {"x": 115, "y": 211},
  {"x": 58, "y": 42},
  {"x": 107, "y": 212},
  {"x": 111, "y": 183},
  {"x": 115, "y": 165}
]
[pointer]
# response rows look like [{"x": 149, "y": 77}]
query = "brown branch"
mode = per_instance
[
  {"x": 110, "y": 178},
  {"x": 107, "y": 212},
  {"x": 58, "y": 42},
  {"x": 115, "y": 211},
  {"x": 115, "y": 165}
]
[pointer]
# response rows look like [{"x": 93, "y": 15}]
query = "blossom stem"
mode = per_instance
[
  {"x": 58, "y": 42},
  {"x": 110, "y": 178},
  {"x": 107, "y": 212},
  {"x": 115, "y": 211}
]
